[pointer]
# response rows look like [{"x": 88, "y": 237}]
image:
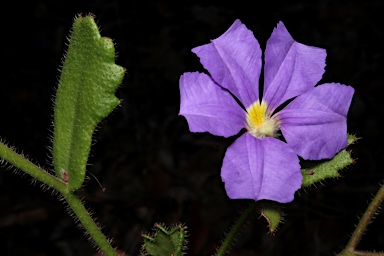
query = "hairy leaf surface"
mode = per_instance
[{"x": 85, "y": 95}]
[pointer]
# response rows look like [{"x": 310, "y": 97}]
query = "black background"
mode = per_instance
[{"x": 153, "y": 168}]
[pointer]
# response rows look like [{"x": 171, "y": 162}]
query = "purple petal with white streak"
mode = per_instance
[
  {"x": 315, "y": 123},
  {"x": 290, "y": 68},
  {"x": 261, "y": 169},
  {"x": 234, "y": 62},
  {"x": 208, "y": 107}
]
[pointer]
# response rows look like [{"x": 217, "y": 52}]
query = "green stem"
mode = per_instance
[
  {"x": 235, "y": 229},
  {"x": 74, "y": 202},
  {"x": 350, "y": 249},
  {"x": 28, "y": 167},
  {"x": 88, "y": 223}
]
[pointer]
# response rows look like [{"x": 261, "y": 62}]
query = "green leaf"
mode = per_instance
[
  {"x": 316, "y": 171},
  {"x": 271, "y": 211},
  {"x": 321, "y": 170},
  {"x": 352, "y": 139},
  {"x": 85, "y": 95},
  {"x": 165, "y": 242}
]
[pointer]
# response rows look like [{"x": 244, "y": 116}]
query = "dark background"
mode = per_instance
[{"x": 153, "y": 168}]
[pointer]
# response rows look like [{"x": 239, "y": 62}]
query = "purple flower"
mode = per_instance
[{"x": 258, "y": 165}]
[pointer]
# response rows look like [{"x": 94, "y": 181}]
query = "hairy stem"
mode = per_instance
[
  {"x": 373, "y": 207},
  {"x": 28, "y": 167},
  {"x": 74, "y": 202},
  {"x": 235, "y": 229},
  {"x": 88, "y": 223}
]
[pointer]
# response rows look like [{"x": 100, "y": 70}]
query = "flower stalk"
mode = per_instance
[
  {"x": 373, "y": 207},
  {"x": 235, "y": 229}
]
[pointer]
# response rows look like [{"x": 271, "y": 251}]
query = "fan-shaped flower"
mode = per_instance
[{"x": 258, "y": 165}]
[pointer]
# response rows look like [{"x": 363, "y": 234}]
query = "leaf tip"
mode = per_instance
[
  {"x": 352, "y": 138},
  {"x": 91, "y": 15},
  {"x": 273, "y": 215}
]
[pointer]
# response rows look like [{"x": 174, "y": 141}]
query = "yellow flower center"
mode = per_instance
[{"x": 259, "y": 122}]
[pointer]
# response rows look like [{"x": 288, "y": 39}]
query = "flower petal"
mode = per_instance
[
  {"x": 315, "y": 123},
  {"x": 290, "y": 68},
  {"x": 234, "y": 62},
  {"x": 261, "y": 169},
  {"x": 208, "y": 107}
]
